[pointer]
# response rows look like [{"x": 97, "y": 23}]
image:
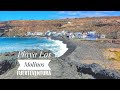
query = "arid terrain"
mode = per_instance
[
  {"x": 83, "y": 59},
  {"x": 104, "y": 25}
]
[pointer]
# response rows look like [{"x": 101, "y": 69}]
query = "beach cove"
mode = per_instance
[
  {"x": 11, "y": 44},
  {"x": 81, "y": 61}
]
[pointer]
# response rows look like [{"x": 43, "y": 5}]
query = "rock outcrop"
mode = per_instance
[
  {"x": 98, "y": 72},
  {"x": 9, "y": 60}
]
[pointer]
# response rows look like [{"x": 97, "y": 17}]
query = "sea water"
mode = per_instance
[{"x": 10, "y": 44}]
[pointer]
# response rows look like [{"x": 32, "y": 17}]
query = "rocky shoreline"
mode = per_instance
[
  {"x": 67, "y": 66},
  {"x": 95, "y": 70}
]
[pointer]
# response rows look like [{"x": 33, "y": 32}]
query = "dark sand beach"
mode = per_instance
[{"x": 83, "y": 60}]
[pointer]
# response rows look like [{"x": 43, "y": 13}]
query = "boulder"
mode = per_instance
[
  {"x": 89, "y": 68},
  {"x": 6, "y": 65},
  {"x": 108, "y": 74},
  {"x": 97, "y": 71}
]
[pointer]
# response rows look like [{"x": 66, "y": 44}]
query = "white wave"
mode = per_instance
[
  {"x": 56, "y": 46},
  {"x": 62, "y": 48}
]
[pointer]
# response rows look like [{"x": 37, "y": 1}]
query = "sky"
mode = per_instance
[{"x": 51, "y": 15}]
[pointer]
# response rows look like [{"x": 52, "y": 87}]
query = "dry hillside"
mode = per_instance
[{"x": 103, "y": 25}]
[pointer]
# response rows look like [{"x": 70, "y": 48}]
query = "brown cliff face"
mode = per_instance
[{"x": 103, "y": 25}]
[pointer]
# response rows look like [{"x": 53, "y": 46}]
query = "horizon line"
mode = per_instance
[{"x": 56, "y": 19}]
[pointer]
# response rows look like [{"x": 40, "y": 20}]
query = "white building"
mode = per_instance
[
  {"x": 69, "y": 22},
  {"x": 38, "y": 33},
  {"x": 102, "y": 36},
  {"x": 34, "y": 33},
  {"x": 29, "y": 33},
  {"x": 72, "y": 35},
  {"x": 63, "y": 32},
  {"x": 92, "y": 32},
  {"x": 84, "y": 36},
  {"x": 48, "y": 33},
  {"x": 78, "y": 35},
  {"x": 53, "y": 33}
]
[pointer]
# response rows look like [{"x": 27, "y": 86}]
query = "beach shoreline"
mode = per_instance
[
  {"x": 88, "y": 55},
  {"x": 70, "y": 45},
  {"x": 78, "y": 62}
]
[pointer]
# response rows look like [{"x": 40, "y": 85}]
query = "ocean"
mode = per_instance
[{"x": 10, "y": 44}]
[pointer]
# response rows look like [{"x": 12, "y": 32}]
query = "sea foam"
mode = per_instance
[
  {"x": 62, "y": 48},
  {"x": 19, "y": 44}
]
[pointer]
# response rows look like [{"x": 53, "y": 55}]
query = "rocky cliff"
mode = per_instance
[{"x": 103, "y": 25}]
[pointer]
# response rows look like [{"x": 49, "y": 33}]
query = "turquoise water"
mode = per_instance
[{"x": 10, "y": 44}]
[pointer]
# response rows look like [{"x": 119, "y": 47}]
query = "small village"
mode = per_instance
[{"x": 85, "y": 35}]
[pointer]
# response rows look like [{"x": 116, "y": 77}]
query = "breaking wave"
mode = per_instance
[{"x": 10, "y": 44}]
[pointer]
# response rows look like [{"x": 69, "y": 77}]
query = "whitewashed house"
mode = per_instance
[
  {"x": 48, "y": 33},
  {"x": 84, "y": 35},
  {"x": 91, "y": 35},
  {"x": 78, "y": 35},
  {"x": 34, "y": 33},
  {"x": 38, "y": 33},
  {"x": 53, "y": 33},
  {"x": 102, "y": 36},
  {"x": 59, "y": 34},
  {"x": 69, "y": 22},
  {"x": 87, "y": 35},
  {"x": 70, "y": 35},
  {"x": 63, "y": 32},
  {"x": 92, "y": 32},
  {"x": 29, "y": 33}
]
